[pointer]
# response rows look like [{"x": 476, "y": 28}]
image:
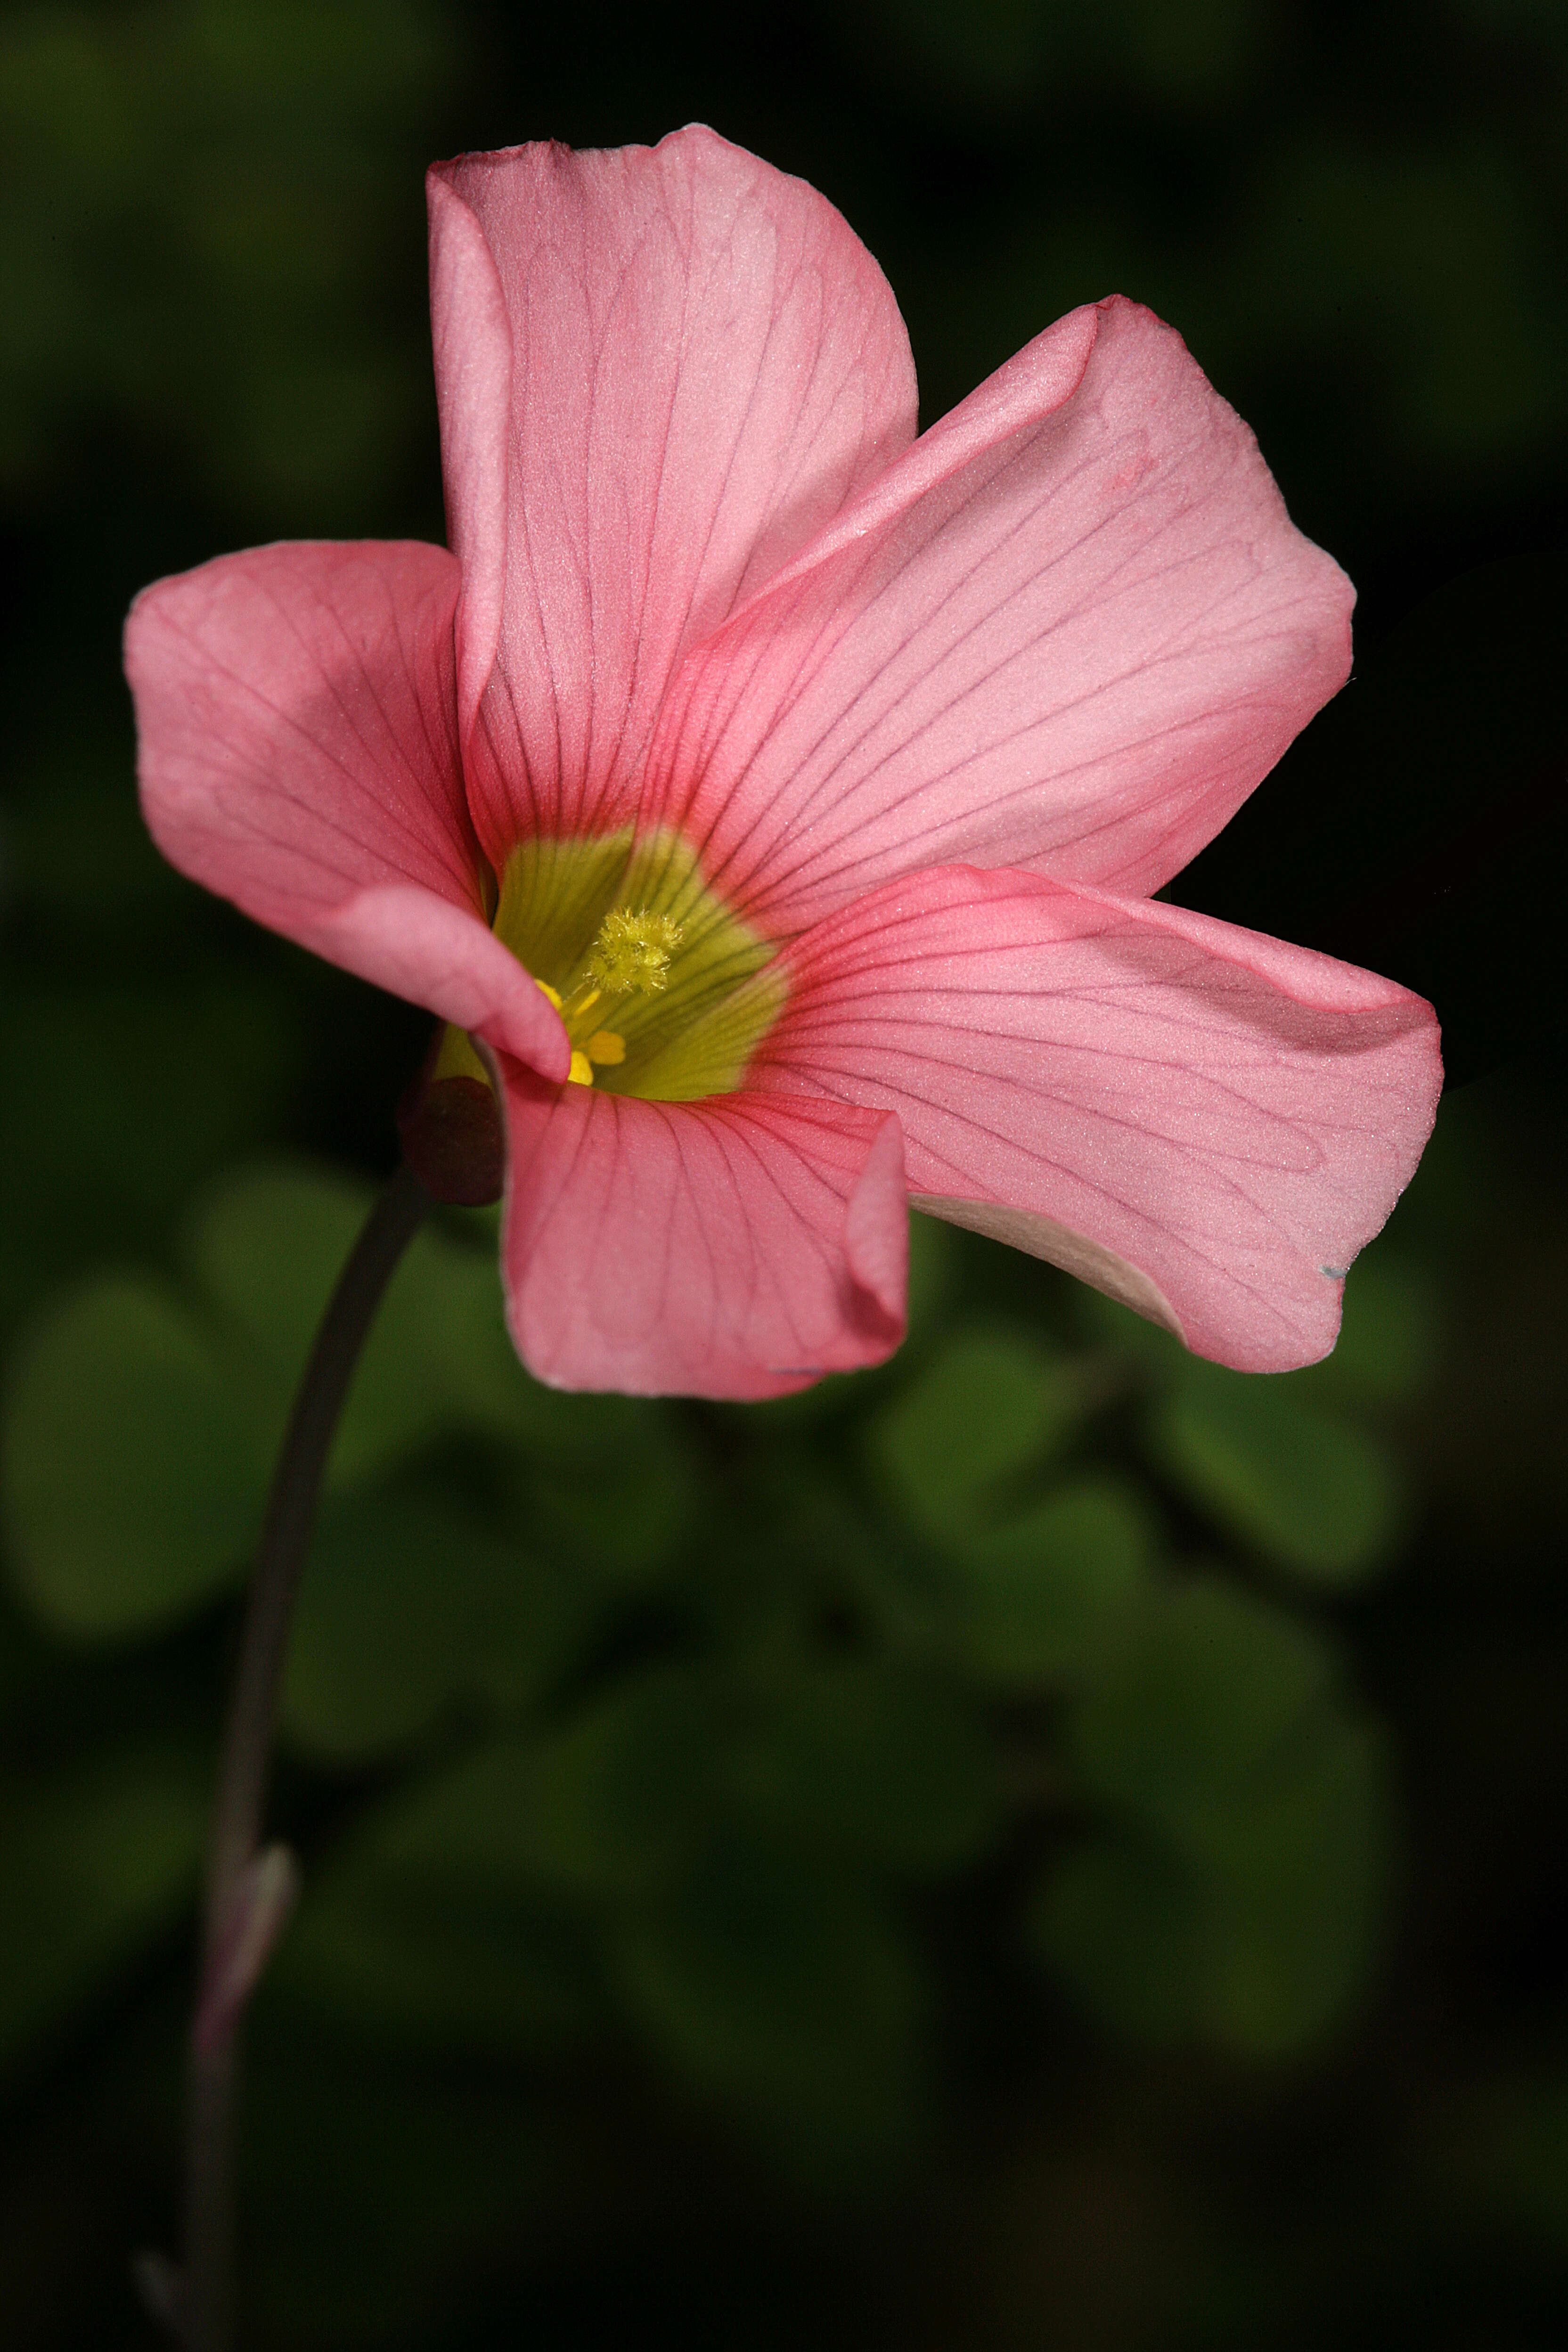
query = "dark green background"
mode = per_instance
[{"x": 773, "y": 1876}]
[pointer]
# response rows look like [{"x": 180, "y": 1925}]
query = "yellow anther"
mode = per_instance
[
  {"x": 633, "y": 951},
  {"x": 630, "y": 955}
]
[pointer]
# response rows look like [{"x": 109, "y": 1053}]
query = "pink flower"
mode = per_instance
[{"x": 820, "y": 775}]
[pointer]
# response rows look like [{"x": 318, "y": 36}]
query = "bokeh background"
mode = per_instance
[{"x": 1049, "y": 1844}]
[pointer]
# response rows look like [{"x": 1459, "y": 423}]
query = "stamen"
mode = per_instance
[{"x": 632, "y": 952}]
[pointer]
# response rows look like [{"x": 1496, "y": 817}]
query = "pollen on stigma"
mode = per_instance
[{"x": 630, "y": 957}]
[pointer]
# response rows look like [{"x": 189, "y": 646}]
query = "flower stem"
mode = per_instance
[{"x": 247, "y": 1894}]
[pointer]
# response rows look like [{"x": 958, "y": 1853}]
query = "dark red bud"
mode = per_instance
[{"x": 452, "y": 1139}]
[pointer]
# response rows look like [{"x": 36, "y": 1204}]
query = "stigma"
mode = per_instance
[
  {"x": 633, "y": 951},
  {"x": 630, "y": 956}
]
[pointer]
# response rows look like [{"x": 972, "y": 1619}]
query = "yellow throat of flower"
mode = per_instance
[
  {"x": 664, "y": 991},
  {"x": 630, "y": 957}
]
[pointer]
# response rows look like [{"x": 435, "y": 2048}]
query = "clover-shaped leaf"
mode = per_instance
[
  {"x": 1037, "y": 1590},
  {"x": 989, "y": 1407},
  {"x": 1286, "y": 1477},
  {"x": 135, "y": 1459}
]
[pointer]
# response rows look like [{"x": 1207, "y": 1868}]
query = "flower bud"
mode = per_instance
[{"x": 451, "y": 1133}]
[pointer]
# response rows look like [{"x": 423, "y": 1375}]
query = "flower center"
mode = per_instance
[
  {"x": 629, "y": 958},
  {"x": 665, "y": 992}
]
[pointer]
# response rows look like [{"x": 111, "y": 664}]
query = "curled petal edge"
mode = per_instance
[
  {"x": 1075, "y": 1254},
  {"x": 421, "y": 947}
]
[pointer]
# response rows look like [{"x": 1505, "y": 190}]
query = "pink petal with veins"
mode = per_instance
[
  {"x": 739, "y": 1248},
  {"x": 1202, "y": 1121},
  {"x": 297, "y": 723},
  {"x": 1071, "y": 629},
  {"x": 705, "y": 363},
  {"x": 470, "y": 339}
]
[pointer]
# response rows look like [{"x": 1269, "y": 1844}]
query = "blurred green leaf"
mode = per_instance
[
  {"x": 96, "y": 1861},
  {"x": 876, "y": 1760},
  {"x": 1196, "y": 1694},
  {"x": 1390, "y": 1339},
  {"x": 268, "y": 1246},
  {"x": 1235, "y": 1892},
  {"x": 1129, "y": 1931},
  {"x": 412, "y": 1608},
  {"x": 1262, "y": 1944},
  {"x": 1038, "y": 1591},
  {"x": 794, "y": 1995},
  {"x": 934, "y": 1266},
  {"x": 1288, "y": 1479},
  {"x": 138, "y": 1442},
  {"x": 111, "y": 1143},
  {"x": 1106, "y": 1323},
  {"x": 619, "y": 1794},
  {"x": 989, "y": 1407},
  {"x": 134, "y": 1463},
  {"x": 614, "y": 1483},
  {"x": 435, "y": 1921}
]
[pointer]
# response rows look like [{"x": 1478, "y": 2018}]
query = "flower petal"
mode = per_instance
[
  {"x": 296, "y": 714},
  {"x": 470, "y": 338},
  {"x": 1204, "y": 1122},
  {"x": 733, "y": 1248},
  {"x": 705, "y": 363},
  {"x": 1070, "y": 630}
]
